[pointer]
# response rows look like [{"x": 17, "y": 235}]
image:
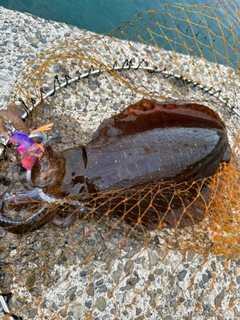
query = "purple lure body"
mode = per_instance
[{"x": 28, "y": 148}]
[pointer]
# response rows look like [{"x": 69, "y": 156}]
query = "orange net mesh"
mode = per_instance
[{"x": 104, "y": 266}]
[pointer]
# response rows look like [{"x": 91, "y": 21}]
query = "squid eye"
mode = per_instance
[
  {"x": 44, "y": 164},
  {"x": 16, "y": 145}
]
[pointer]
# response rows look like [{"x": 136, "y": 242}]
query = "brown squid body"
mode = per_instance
[{"x": 151, "y": 147}]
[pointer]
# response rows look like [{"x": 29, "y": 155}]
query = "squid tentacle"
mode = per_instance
[
  {"x": 39, "y": 218},
  {"x": 22, "y": 225}
]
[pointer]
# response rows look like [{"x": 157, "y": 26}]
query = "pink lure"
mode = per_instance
[{"x": 30, "y": 150}]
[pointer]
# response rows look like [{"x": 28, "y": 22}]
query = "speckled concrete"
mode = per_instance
[{"x": 50, "y": 272}]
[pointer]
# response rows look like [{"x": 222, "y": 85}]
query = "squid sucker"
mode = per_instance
[{"x": 145, "y": 165}]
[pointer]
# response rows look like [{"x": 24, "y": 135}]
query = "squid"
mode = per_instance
[{"x": 147, "y": 165}]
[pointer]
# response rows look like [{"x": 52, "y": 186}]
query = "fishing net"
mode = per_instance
[{"x": 104, "y": 266}]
